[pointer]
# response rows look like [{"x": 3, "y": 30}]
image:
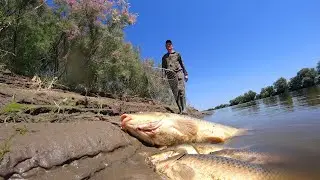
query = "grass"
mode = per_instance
[{"x": 13, "y": 107}]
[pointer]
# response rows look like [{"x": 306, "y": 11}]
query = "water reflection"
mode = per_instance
[
  {"x": 312, "y": 97},
  {"x": 288, "y": 124},
  {"x": 306, "y": 98},
  {"x": 255, "y": 107},
  {"x": 286, "y": 102},
  {"x": 266, "y": 109},
  {"x": 250, "y": 108},
  {"x": 271, "y": 101}
]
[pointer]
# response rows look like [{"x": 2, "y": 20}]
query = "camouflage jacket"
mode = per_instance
[{"x": 173, "y": 61}]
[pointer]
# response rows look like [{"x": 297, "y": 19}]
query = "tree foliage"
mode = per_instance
[
  {"x": 281, "y": 85},
  {"x": 267, "y": 92},
  {"x": 317, "y": 80},
  {"x": 81, "y": 42},
  {"x": 246, "y": 97}
]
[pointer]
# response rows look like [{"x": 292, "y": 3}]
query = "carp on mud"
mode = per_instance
[
  {"x": 166, "y": 129},
  {"x": 251, "y": 156},
  {"x": 211, "y": 167},
  {"x": 194, "y": 148},
  {"x": 243, "y": 154}
]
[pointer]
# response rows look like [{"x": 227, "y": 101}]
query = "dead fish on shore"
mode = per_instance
[
  {"x": 193, "y": 148},
  {"x": 207, "y": 148},
  {"x": 205, "y": 167},
  {"x": 243, "y": 154},
  {"x": 166, "y": 129},
  {"x": 250, "y": 156},
  {"x": 152, "y": 159}
]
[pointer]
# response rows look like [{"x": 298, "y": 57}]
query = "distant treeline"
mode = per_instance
[{"x": 306, "y": 77}]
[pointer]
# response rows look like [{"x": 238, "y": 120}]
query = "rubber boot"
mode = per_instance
[
  {"x": 179, "y": 105},
  {"x": 183, "y": 105}
]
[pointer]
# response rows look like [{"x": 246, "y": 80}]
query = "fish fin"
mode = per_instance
[
  {"x": 178, "y": 156},
  {"x": 161, "y": 148},
  {"x": 252, "y": 159},
  {"x": 195, "y": 148},
  {"x": 168, "y": 161},
  {"x": 214, "y": 140},
  {"x": 174, "y": 149},
  {"x": 243, "y": 132},
  {"x": 181, "y": 151},
  {"x": 187, "y": 127}
]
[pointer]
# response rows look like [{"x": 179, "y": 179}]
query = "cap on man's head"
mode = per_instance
[{"x": 168, "y": 41}]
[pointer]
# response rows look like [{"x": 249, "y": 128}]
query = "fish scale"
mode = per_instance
[
  {"x": 216, "y": 167},
  {"x": 250, "y": 156}
]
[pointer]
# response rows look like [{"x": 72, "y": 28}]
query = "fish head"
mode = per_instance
[
  {"x": 172, "y": 169},
  {"x": 142, "y": 125}
]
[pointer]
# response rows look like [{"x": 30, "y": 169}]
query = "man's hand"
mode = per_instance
[{"x": 186, "y": 78}]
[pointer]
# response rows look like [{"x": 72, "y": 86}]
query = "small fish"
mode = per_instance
[
  {"x": 211, "y": 167},
  {"x": 167, "y": 129}
]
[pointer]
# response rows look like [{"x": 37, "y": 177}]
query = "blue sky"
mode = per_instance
[{"x": 230, "y": 47}]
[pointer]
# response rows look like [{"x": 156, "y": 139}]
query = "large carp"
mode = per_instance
[
  {"x": 194, "y": 148},
  {"x": 251, "y": 156},
  {"x": 211, "y": 167},
  {"x": 166, "y": 129},
  {"x": 243, "y": 154}
]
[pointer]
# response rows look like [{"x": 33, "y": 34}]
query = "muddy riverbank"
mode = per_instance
[{"x": 58, "y": 134}]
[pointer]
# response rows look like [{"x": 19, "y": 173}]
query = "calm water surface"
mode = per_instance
[{"x": 288, "y": 125}]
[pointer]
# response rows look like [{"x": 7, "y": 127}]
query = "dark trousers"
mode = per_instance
[{"x": 177, "y": 84}]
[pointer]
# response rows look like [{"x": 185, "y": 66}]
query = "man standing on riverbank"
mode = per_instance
[{"x": 177, "y": 75}]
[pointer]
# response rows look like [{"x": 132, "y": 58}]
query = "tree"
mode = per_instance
[
  {"x": 246, "y": 97},
  {"x": 318, "y": 67},
  {"x": 237, "y": 100},
  {"x": 95, "y": 44},
  {"x": 81, "y": 42},
  {"x": 307, "y": 72},
  {"x": 249, "y": 96},
  {"x": 281, "y": 85},
  {"x": 294, "y": 83},
  {"x": 267, "y": 92},
  {"x": 27, "y": 31},
  {"x": 307, "y": 82},
  {"x": 258, "y": 96},
  {"x": 307, "y": 77},
  {"x": 317, "y": 80},
  {"x": 220, "y": 106}
]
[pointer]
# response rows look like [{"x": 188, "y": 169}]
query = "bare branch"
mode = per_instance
[
  {"x": 57, "y": 106},
  {"x": 5, "y": 26},
  {"x": 40, "y": 5},
  {"x": 7, "y": 52},
  {"x": 52, "y": 82}
]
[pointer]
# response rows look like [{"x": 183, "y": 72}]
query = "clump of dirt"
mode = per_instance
[{"x": 54, "y": 133}]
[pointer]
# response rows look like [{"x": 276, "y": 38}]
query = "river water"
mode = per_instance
[{"x": 288, "y": 125}]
